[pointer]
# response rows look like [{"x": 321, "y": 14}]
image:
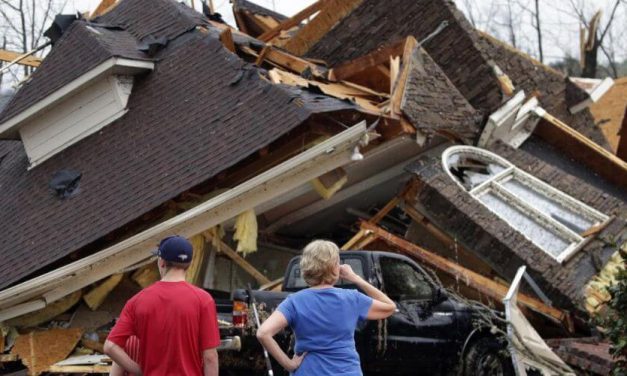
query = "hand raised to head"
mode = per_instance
[{"x": 347, "y": 273}]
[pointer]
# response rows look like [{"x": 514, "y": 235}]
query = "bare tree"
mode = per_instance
[
  {"x": 23, "y": 23},
  {"x": 593, "y": 41}
]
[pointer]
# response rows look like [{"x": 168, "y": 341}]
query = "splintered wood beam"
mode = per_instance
[
  {"x": 226, "y": 37},
  {"x": 293, "y": 21},
  {"x": 240, "y": 261},
  {"x": 288, "y": 61},
  {"x": 380, "y": 56},
  {"x": 97, "y": 368},
  {"x": 9, "y": 56},
  {"x": 102, "y": 8},
  {"x": 474, "y": 280},
  {"x": 398, "y": 89},
  {"x": 583, "y": 150}
]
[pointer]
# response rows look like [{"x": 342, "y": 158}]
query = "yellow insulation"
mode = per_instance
[
  {"x": 596, "y": 294},
  {"x": 246, "y": 232}
]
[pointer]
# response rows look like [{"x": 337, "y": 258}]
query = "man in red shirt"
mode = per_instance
[{"x": 175, "y": 321}]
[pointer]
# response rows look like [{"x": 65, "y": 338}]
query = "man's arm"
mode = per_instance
[
  {"x": 210, "y": 362},
  {"x": 118, "y": 355}
]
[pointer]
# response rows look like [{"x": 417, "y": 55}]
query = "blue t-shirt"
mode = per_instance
[{"x": 324, "y": 321}]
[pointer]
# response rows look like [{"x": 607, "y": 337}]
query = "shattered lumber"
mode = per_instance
[
  {"x": 98, "y": 368},
  {"x": 381, "y": 56},
  {"x": 291, "y": 22},
  {"x": 103, "y": 7},
  {"x": 240, "y": 261},
  {"x": 478, "y": 282},
  {"x": 29, "y": 60}
]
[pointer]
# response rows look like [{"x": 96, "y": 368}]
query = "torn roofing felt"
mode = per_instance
[
  {"x": 433, "y": 104},
  {"x": 81, "y": 48},
  {"x": 505, "y": 249},
  {"x": 192, "y": 117}
]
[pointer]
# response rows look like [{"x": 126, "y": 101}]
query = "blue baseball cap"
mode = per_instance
[{"x": 175, "y": 249}]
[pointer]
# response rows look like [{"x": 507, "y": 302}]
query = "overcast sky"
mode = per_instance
[{"x": 559, "y": 24}]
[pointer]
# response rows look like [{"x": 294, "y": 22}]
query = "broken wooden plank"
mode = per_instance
[
  {"x": 103, "y": 7},
  {"x": 271, "y": 285},
  {"x": 198, "y": 260},
  {"x": 226, "y": 37},
  {"x": 98, "y": 368},
  {"x": 97, "y": 295},
  {"x": 46, "y": 314},
  {"x": 293, "y": 21},
  {"x": 594, "y": 230},
  {"x": 9, "y": 56},
  {"x": 378, "y": 57},
  {"x": 309, "y": 34},
  {"x": 146, "y": 275},
  {"x": 583, "y": 150},
  {"x": 288, "y": 61},
  {"x": 239, "y": 260},
  {"x": 398, "y": 89},
  {"x": 475, "y": 280},
  {"x": 39, "y": 350}
]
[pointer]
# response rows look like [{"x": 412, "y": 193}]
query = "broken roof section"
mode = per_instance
[
  {"x": 481, "y": 67},
  {"x": 254, "y": 19},
  {"x": 201, "y": 111}
]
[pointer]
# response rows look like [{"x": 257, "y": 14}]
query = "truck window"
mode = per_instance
[
  {"x": 402, "y": 281},
  {"x": 295, "y": 279}
]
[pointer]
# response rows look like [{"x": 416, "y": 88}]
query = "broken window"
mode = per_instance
[
  {"x": 549, "y": 218},
  {"x": 402, "y": 282}
]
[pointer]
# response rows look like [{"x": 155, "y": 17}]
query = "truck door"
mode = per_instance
[{"x": 420, "y": 334}]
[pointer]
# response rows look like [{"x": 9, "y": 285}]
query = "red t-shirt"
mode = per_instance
[{"x": 175, "y": 322}]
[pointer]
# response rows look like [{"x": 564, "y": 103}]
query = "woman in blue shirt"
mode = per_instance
[{"x": 322, "y": 317}]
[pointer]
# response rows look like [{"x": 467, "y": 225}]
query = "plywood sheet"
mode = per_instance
[{"x": 40, "y": 350}]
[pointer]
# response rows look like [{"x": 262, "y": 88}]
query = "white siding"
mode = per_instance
[{"x": 75, "y": 118}]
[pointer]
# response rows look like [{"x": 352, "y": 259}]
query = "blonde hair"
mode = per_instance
[{"x": 318, "y": 262}]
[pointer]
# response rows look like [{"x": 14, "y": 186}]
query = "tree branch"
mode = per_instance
[{"x": 609, "y": 22}]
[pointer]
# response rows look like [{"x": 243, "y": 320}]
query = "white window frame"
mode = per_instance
[{"x": 495, "y": 185}]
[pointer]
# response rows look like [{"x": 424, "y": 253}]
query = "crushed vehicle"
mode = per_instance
[{"x": 431, "y": 330}]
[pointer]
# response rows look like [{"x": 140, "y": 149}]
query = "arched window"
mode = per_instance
[{"x": 549, "y": 218}]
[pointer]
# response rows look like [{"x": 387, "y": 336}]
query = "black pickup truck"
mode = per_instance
[{"x": 431, "y": 332}]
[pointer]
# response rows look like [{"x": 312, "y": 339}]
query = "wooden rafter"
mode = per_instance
[
  {"x": 380, "y": 56},
  {"x": 474, "y": 280},
  {"x": 103, "y": 7},
  {"x": 240, "y": 261},
  {"x": 9, "y": 56},
  {"x": 293, "y": 21}
]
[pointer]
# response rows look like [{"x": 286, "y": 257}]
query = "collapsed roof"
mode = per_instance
[{"x": 200, "y": 111}]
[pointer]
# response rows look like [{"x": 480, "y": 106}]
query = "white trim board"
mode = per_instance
[{"x": 324, "y": 157}]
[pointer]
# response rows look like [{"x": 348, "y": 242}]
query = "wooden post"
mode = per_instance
[{"x": 240, "y": 261}]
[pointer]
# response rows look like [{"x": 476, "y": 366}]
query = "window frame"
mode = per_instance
[{"x": 495, "y": 185}]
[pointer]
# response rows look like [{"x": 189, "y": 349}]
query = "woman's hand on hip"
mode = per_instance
[{"x": 296, "y": 362}]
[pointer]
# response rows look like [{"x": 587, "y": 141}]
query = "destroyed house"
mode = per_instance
[
  {"x": 189, "y": 111},
  {"x": 152, "y": 119}
]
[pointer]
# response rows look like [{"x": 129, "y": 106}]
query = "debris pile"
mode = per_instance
[{"x": 350, "y": 121}]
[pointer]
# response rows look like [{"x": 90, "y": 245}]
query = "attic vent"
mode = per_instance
[
  {"x": 549, "y": 218},
  {"x": 65, "y": 183}
]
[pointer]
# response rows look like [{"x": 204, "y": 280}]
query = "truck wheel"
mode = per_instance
[{"x": 487, "y": 357}]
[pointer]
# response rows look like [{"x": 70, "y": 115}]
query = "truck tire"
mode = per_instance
[{"x": 487, "y": 357}]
